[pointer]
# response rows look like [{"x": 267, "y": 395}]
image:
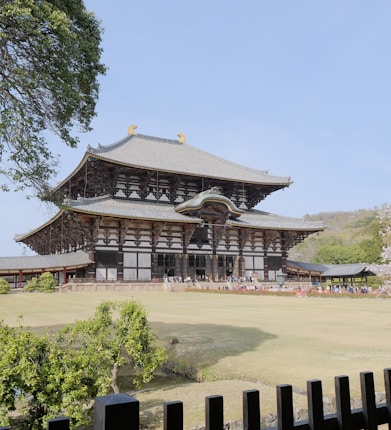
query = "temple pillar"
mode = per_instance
[
  {"x": 284, "y": 253},
  {"x": 178, "y": 265},
  {"x": 154, "y": 266},
  {"x": 265, "y": 267},
  {"x": 120, "y": 264},
  {"x": 185, "y": 266},
  {"x": 242, "y": 266},
  {"x": 236, "y": 268},
  {"x": 91, "y": 270},
  {"x": 208, "y": 267},
  {"x": 215, "y": 268}
]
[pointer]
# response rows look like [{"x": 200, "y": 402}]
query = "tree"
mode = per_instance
[
  {"x": 50, "y": 61},
  {"x": 340, "y": 254},
  {"x": 126, "y": 341},
  {"x": 47, "y": 375}
]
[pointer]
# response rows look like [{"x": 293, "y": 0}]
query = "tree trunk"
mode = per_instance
[{"x": 114, "y": 378}]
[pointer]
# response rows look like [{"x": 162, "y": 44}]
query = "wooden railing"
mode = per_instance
[{"x": 122, "y": 412}]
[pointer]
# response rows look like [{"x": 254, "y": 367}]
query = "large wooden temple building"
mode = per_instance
[{"x": 145, "y": 208}]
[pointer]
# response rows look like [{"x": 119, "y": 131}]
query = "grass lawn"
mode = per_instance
[{"x": 241, "y": 342}]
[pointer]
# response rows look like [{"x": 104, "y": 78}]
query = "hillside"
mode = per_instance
[{"x": 342, "y": 228}]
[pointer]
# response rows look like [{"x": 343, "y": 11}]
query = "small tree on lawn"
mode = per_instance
[
  {"x": 43, "y": 376},
  {"x": 126, "y": 340},
  {"x": 4, "y": 286},
  {"x": 32, "y": 285},
  {"x": 47, "y": 283}
]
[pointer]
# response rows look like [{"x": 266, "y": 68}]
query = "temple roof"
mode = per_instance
[
  {"x": 267, "y": 220},
  {"x": 121, "y": 208},
  {"x": 166, "y": 212},
  {"x": 333, "y": 270},
  {"x": 341, "y": 270},
  {"x": 213, "y": 195},
  {"x": 158, "y": 154},
  {"x": 39, "y": 263}
]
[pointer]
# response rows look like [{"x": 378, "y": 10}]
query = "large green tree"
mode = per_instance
[
  {"x": 49, "y": 67},
  {"x": 127, "y": 340},
  {"x": 46, "y": 375}
]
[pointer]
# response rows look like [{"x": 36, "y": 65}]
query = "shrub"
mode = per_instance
[
  {"x": 4, "y": 286},
  {"x": 32, "y": 285},
  {"x": 47, "y": 282}
]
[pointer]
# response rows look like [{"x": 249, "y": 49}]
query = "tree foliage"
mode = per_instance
[
  {"x": 50, "y": 60},
  {"x": 46, "y": 375},
  {"x": 46, "y": 283},
  {"x": 4, "y": 286},
  {"x": 127, "y": 340},
  {"x": 349, "y": 237}
]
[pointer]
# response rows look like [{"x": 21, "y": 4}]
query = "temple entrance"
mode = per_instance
[
  {"x": 226, "y": 266},
  {"x": 197, "y": 266},
  {"x": 163, "y": 265},
  {"x": 106, "y": 265}
]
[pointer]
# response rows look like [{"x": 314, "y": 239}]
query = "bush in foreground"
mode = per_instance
[{"x": 47, "y": 375}]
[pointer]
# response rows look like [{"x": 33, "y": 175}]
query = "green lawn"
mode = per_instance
[{"x": 245, "y": 339}]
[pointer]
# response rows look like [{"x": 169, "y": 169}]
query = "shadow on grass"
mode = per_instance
[
  {"x": 199, "y": 346},
  {"x": 202, "y": 345}
]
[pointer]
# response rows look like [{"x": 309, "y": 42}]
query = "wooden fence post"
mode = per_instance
[
  {"x": 315, "y": 405},
  {"x": 214, "y": 413},
  {"x": 387, "y": 384},
  {"x": 59, "y": 423},
  {"x": 368, "y": 400},
  {"x": 173, "y": 416},
  {"x": 116, "y": 412},
  {"x": 342, "y": 396},
  {"x": 251, "y": 410},
  {"x": 285, "y": 419}
]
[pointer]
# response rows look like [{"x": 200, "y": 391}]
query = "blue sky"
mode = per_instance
[{"x": 299, "y": 88}]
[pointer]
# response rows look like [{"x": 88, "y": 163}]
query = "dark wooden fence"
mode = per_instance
[{"x": 121, "y": 412}]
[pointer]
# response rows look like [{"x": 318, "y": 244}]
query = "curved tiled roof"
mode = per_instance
[
  {"x": 267, "y": 220},
  {"x": 340, "y": 270},
  {"x": 166, "y": 212},
  {"x": 167, "y": 155},
  {"x": 39, "y": 263},
  {"x": 310, "y": 267},
  {"x": 119, "y": 208},
  {"x": 200, "y": 199},
  {"x": 333, "y": 270}
]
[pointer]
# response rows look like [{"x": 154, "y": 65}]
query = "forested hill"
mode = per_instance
[{"x": 349, "y": 237}]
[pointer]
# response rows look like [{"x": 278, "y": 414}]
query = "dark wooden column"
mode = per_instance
[
  {"x": 122, "y": 231},
  {"x": 265, "y": 259},
  {"x": 215, "y": 267},
  {"x": 284, "y": 252},
  {"x": 94, "y": 229},
  {"x": 188, "y": 231},
  {"x": 178, "y": 265},
  {"x": 185, "y": 266}
]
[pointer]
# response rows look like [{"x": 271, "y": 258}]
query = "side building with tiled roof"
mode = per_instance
[{"x": 145, "y": 208}]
